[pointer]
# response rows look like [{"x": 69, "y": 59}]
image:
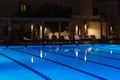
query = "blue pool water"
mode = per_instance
[{"x": 60, "y": 62}]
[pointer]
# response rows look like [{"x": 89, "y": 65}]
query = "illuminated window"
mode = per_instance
[{"x": 23, "y": 8}]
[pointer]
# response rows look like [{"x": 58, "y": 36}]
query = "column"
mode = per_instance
[
  {"x": 101, "y": 31},
  {"x": 9, "y": 30},
  {"x": 59, "y": 29},
  {"x": 43, "y": 33}
]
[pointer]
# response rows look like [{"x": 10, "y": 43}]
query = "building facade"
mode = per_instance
[{"x": 50, "y": 17}]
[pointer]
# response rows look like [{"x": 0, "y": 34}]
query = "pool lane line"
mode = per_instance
[
  {"x": 83, "y": 59},
  {"x": 93, "y": 75},
  {"x": 34, "y": 71}
]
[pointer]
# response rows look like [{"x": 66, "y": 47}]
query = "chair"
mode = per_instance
[
  {"x": 66, "y": 38},
  {"x": 104, "y": 39},
  {"x": 46, "y": 38},
  {"x": 77, "y": 37},
  {"x": 61, "y": 37},
  {"x": 54, "y": 37},
  {"x": 93, "y": 39}
]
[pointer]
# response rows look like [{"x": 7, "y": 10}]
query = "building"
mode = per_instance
[
  {"x": 109, "y": 10},
  {"x": 86, "y": 18}
]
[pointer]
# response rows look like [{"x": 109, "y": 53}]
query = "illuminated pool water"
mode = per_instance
[{"x": 60, "y": 62}]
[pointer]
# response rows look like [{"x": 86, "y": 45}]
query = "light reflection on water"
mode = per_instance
[
  {"x": 96, "y": 49},
  {"x": 1, "y": 49},
  {"x": 57, "y": 49},
  {"x": 86, "y": 52},
  {"x": 111, "y": 52},
  {"x": 41, "y": 54},
  {"x": 77, "y": 52},
  {"x": 66, "y": 50},
  {"x": 45, "y": 54},
  {"x": 32, "y": 59},
  {"x": 85, "y": 56},
  {"x": 89, "y": 49}
]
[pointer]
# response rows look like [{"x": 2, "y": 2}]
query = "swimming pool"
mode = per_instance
[{"x": 60, "y": 62}]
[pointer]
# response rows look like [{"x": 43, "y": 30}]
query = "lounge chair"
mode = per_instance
[
  {"x": 93, "y": 39},
  {"x": 77, "y": 37},
  {"x": 66, "y": 38},
  {"x": 54, "y": 37}
]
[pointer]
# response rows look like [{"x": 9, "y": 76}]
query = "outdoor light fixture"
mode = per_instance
[
  {"x": 76, "y": 29},
  {"x": 111, "y": 29},
  {"x": 40, "y": 31},
  {"x": 41, "y": 28},
  {"x": 85, "y": 29},
  {"x": 45, "y": 29},
  {"x": 31, "y": 30}
]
